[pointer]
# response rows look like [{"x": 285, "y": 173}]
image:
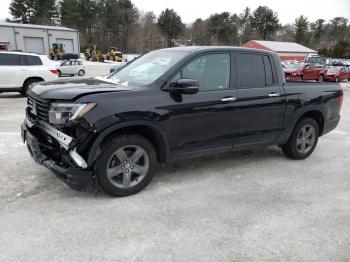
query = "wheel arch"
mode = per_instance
[
  {"x": 317, "y": 116},
  {"x": 150, "y": 131},
  {"x": 32, "y": 78},
  {"x": 315, "y": 113}
]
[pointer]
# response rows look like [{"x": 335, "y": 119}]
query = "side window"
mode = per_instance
[
  {"x": 33, "y": 60},
  {"x": 268, "y": 71},
  {"x": 251, "y": 70},
  {"x": 211, "y": 71},
  {"x": 22, "y": 61},
  {"x": 9, "y": 60}
]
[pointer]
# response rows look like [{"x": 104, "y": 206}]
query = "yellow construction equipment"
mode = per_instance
[
  {"x": 114, "y": 55},
  {"x": 92, "y": 53},
  {"x": 57, "y": 51}
]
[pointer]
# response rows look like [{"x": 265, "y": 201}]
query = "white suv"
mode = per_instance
[{"x": 18, "y": 70}]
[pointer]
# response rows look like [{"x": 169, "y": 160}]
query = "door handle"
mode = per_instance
[
  {"x": 228, "y": 99},
  {"x": 274, "y": 95}
]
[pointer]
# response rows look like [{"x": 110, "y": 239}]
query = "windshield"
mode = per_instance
[
  {"x": 295, "y": 66},
  {"x": 146, "y": 69},
  {"x": 316, "y": 60}
]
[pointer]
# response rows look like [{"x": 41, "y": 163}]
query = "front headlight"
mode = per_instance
[{"x": 61, "y": 113}]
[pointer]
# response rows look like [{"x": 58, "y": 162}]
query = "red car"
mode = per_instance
[
  {"x": 337, "y": 74},
  {"x": 304, "y": 72}
]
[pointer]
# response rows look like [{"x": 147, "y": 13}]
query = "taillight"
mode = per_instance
[
  {"x": 341, "y": 99},
  {"x": 54, "y": 71}
]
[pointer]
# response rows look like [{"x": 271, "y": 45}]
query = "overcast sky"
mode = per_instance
[{"x": 189, "y": 10}]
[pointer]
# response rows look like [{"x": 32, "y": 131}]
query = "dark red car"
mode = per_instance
[
  {"x": 304, "y": 72},
  {"x": 337, "y": 74}
]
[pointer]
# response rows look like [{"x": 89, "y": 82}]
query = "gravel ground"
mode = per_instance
[{"x": 237, "y": 206}]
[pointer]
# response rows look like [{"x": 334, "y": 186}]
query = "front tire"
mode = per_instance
[
  {"x": 126, "y": 165},
  {"x": 81, "y": 72},
  {"x": 321, "y": 78},
  {"x": 303, "y": 139},
  {"x": 337, "y": 80}
]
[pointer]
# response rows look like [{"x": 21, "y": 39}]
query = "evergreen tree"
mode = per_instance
[
  {"x": 245, "y": 27},
  {"x": 223, "y": 29},
  {"x": 199, "y": 32},
  {"x": 44, "y": 12},
  {"x": 265, "y": 22},
  {"x": 337, "y": 28},
  {"x": 317, "y": 29},
  {"x": 301, "y": 30},
  {"x": 20, "y": 11},
  {"x": 170, "y": 24},
  {"x": 34, "y": 11}
]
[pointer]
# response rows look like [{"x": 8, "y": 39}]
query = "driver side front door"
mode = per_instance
[{"x": 203, "y": 120}]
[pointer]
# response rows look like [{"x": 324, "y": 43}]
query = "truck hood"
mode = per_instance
[{"x": 73, "y": 89}]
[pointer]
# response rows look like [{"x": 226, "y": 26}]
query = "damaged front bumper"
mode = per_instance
[{"x": 74, "y": 174}]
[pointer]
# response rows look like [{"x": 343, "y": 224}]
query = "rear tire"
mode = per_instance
[
  {"x": 126, "y": 165},
  {"x": 337, "y": 79},
  {"x": 27, "y": 83},
  {"x": 303, "y": 139},
  {"x": 59, "y": 73},
  {"x": 81, "y": 72},
  {"x": 321, "y": 78}
]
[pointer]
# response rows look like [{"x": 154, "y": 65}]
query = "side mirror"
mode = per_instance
[{"x": 183, "y": 86}]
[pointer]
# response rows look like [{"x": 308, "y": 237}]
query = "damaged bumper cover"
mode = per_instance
[{"x": 75, "y": 177}]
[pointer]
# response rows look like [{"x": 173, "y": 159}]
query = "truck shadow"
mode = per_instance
[
  {"x": 189, "y": 169},
  {"x": 215, "y": 163},
  {"x": 11, "y": 95}
]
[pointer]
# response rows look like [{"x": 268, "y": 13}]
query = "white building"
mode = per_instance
[{"x": 38, "y": 38}]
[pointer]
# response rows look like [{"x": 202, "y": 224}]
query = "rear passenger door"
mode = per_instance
[{"x": 259, "y": 104}]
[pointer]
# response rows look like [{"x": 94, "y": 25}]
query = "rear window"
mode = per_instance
[
  {"x": 9, "y": 60},
  {"x": 251, "y": 70},
  {"x": 33, "y": 60}
]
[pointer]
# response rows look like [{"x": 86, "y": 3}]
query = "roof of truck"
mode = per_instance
[{"x": 215, "y": 48}]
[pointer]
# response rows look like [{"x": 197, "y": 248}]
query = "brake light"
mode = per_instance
[
  {"x": 54, "y": 71},
  {"x": 341, "y": 99}
]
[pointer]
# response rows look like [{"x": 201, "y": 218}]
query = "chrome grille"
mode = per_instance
[{"x": 39, "y": 108}]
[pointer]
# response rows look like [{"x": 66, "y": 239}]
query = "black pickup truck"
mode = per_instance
[{"x": 114, "y": 131}]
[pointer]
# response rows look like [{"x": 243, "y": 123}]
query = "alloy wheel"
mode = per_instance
[
  {"x": 128, "y": 166},
  {"x": 306, "y": 139}
]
